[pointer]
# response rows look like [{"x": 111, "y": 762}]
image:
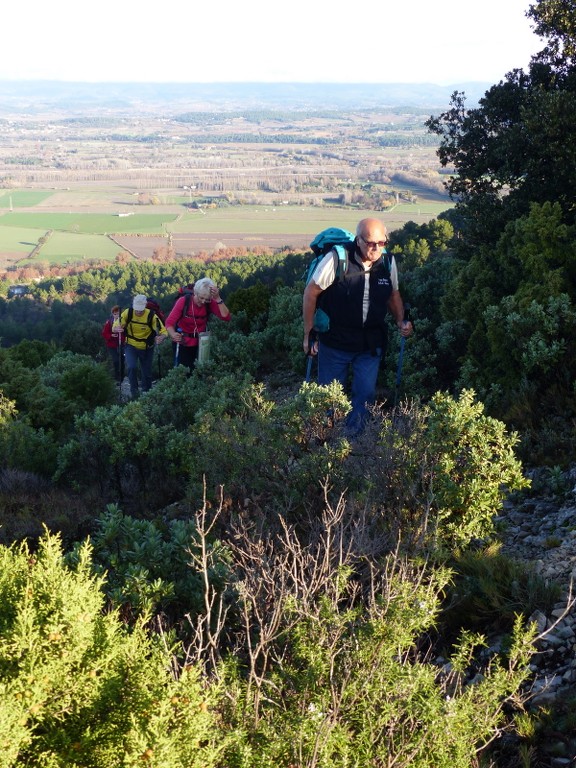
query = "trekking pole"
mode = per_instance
[
  {"x": 401, "y": 355},
  {"x": 309, "y": 368},
  {"x": 311, "y": 340},
  {"x": 177, "y": 352},
  {"x": 121, "y": 352}
]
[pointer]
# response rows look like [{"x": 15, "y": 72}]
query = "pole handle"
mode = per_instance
[{"x": 312, "y": 338}]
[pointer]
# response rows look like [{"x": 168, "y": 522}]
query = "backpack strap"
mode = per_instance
[
  {"x": 340, "y": 261},
  {"x": 186, "y": 308},
  {"x": 149, "y": 321}
]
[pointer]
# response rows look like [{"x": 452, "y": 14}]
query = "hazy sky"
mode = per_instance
[{"x": 435, "y": 41}]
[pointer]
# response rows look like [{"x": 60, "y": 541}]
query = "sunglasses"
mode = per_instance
[{"x": 372, "y": 244}]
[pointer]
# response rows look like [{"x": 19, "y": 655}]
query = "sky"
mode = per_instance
[{"x": 407, "y": 41}]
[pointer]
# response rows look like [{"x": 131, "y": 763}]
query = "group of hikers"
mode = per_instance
[
  {"x": 132, "y": 335},
  {"x": 351, "y": 340}
]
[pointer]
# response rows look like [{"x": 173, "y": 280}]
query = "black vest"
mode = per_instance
[{"x": 343, "y": 301}]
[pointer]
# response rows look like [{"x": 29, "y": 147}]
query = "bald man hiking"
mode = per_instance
[{"x": 356, "y": 305}]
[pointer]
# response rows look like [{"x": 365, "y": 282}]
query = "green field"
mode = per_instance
[
  {"x": 76, "y": 237},
  {"x": 62, "y": 247},
  {"x": 296, "y": 219},
  {"x": 59, "y": 248},
  {"x": 23, "y": 198},
  {"x": 92, "y": 223},
  {"x": 18, "y": 240}
]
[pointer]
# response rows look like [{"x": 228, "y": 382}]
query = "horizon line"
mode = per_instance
[{"x": 240, "y": 82}]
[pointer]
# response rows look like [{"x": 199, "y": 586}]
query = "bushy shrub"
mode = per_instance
[
  {"x": 253, "y": 301},
  {"x": 32, "y": 353},
  {"x": 332, "y": 668},
  {"x": 284, "y": 331},
  {"x": 263, "y": 347},
  {"x": 232, "y": 350},
  {"x": 84, "y": 338},
  {"x": 212, "y": 429},
  {"x": 277, "y": 452},
  {"x": 473, "y": 467},
  {"x": 49, "y": 396},
  {"x": 440, "y": 472},
  {"x": 79, "y": 689},
  {"x": 504, "y": 372},
  {"x": 88, "y": 386},
  {"x": 21, "y": 446},
  {"x": 149, "y": 564},
  {"x": 19, "y": 383}
]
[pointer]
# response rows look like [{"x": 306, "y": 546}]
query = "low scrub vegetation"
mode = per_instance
[
  {"x": 212, "y": 575},
  {"x": 271, "y": 597}
]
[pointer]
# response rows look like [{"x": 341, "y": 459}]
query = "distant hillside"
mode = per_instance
[{"x": 40, "y": 97}]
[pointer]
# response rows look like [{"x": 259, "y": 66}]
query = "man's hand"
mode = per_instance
[
  {"x": 405, "y": 327},
  {"x": 311, "y": 293},
  {"x": 310, "y": 344}
]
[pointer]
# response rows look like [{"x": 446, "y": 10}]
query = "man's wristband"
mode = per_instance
[{"x": 219, "y": 301}]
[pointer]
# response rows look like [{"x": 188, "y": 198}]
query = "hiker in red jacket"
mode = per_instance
[
  {"x": 112, "y": 333},
  {"x": 189, "y": 317}
]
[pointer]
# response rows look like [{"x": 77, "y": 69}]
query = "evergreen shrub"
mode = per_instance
[
  {"x": 148, "y": 564},
  {"x": 77, "y": 688},
  {"x": 440, "y": 472},
  {"x": 334, "y": 668}
]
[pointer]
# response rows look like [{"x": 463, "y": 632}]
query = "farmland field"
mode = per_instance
[
  {"x": 18, "y": 240},
  {"x": 23, "y": 198},
  {"x": 82, "y": 189},
  {"x": 71, "y": 237},
  {"x": 93, "y": 223},
  {"x": 297, "y": 220},
  {"x": 64, "y": 247}
]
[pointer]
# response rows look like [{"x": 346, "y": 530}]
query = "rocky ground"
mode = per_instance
[{"x": 540, "y": 528}]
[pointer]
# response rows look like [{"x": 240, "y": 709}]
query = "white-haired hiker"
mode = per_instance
[{"x": 189, "y": 318}]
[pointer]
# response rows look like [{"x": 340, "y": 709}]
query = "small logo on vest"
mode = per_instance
[{"x": 383, "y": 281}]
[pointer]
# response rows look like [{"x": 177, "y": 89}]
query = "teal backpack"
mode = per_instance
[
  {"x": 340, "y": 241},
  {"x": 333, "y": 238}
]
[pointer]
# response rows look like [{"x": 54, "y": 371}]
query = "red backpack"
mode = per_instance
[{"x": 155, "y": 307}]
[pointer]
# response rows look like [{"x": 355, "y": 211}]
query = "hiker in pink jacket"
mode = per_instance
[{"x": 189, "y": 318}]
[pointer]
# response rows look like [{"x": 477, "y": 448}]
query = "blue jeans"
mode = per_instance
[
  {"x": 334, "y": 365},
  {"x": 145, "y": 358}
]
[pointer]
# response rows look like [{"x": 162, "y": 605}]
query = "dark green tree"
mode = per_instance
[
  {"x": 508, "y": 312},
  {"x": 519, "y": 145},
  {"x": 33, "y": 353}
]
